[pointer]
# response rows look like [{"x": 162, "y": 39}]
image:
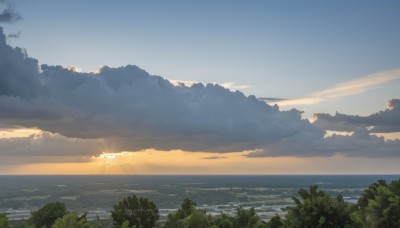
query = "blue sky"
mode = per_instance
[
  {"x": 318, "y": 56},
  {"x": 284, "y": 49}
]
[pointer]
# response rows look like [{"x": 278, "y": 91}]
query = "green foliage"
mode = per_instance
[
  {"x": 72, "y": 220},
  {"x": 379, "y": 205},
  {"x": 48, "y": 214},
  {"x": 186, "y": 208},
  {"x": 225, "y": 223},
  {"x": 275, "y": 222},
  {"x": 23, "y": 223},
  {"x": 3, "y": 220},
  {"x": 318, "y": 209},
  {"x": 197, "y": 219},
  {"x": 175, "y": 220},
  {"x": 246, "y": 218},
  {"x": 139, "y": 212},
  {"x": 125, "y": 224}
]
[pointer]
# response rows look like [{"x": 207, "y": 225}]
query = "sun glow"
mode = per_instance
[
  {"x": 8, "y": 133},
  {"x": 109, "y": 155}
]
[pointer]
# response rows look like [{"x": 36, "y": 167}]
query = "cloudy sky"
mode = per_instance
[{"x": 213, "y": 87}]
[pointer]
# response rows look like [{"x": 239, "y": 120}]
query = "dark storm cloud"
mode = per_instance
[
  {"x": 8, "y": 15},
  {"x": 128, "y": 109},
  {"x": 382, "y": 122}
]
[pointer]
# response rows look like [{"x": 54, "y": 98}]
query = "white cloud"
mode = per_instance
[
  {"x": 344, "y": 89},
  {"x": 229, "y": 85}
]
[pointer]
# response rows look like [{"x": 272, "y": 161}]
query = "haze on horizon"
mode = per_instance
[{"x": 245, "y": 88}]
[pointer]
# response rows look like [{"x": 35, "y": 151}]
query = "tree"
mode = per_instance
[
  {"x": 3, "y": 220},
  {"x": 222, "y": 221},
  {"x": 175, "y": 220},
  {"x": 197, "y": 219},
  {"x": 275, "y": 222},
  {"x": 72, "y": 220},
  {"x": 48, "y": 214},
  {"x": 186, "y": 208},
  {"x": 379, "y": 205},
  {"x": 246, "y": 218},
  {"x": 140, "y": 212},
  {"x": 225, "y": 223},
  {"x": 318, "y": 209}
]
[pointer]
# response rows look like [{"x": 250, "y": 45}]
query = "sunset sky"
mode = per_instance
[{"x": 207, "y": 87}]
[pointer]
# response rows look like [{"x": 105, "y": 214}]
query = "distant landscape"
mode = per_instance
[{"x": 216, "y": 194}]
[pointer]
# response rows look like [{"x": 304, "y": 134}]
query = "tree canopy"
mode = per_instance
[
  {"x": 316, "y": 208},
  {"x": 3, "y": 220},
  {"x": 379, "y": 205},
  {"x": 48, "y": 214},
  {"x": 72, "y": 220},
  {"x": 139, "y": 212}
]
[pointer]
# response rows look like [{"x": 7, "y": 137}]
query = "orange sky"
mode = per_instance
[{"x": 179, "y": 162}]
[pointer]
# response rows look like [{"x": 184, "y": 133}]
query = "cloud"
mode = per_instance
[
  {"x": 9, "y": 15},
  {"x": 133, "y": 110},
  {"x": 214, "y": 157},
  {"x": 229, "y": 85},
  {"x": 46, "y": 147},
  {"x": 271, "y": 99},
  {"x": 127, "y": 109},
  {"x": 15, "y": 35},
  {"x": 344, "y": 89},
  {"x": 386, "y": 121},
  {"x": 359, "y": 144},
  {"x": 233, "y": 86}
]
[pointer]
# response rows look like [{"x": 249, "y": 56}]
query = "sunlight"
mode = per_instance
[
  {"x": 8, "y": 133},
  {"x": 107, "y": 155}
]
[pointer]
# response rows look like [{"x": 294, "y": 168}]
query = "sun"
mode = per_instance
[{"x": 106, "y": 155}]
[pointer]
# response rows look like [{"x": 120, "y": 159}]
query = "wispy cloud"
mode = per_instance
[
  {"x": 233, "y": 85},
  {"x": 214, "y": 157},
  {"x": 344, "y": 89}
]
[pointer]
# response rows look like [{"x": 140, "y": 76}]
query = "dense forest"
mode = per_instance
[{"x": 378, "y": 206}]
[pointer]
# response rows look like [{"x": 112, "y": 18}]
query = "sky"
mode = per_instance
[{"x": 208, "y": 87}]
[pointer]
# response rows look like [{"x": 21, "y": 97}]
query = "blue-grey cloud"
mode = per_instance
[
  {"x": 46, "y": 147},
  {"x": 129, "y": 109},
  {"x": 381, "y": 122},
  {"x": 134, "y": 110},
  {"x": 14, "y": 35},
  {"x": 359, "y": 144},
  {"x": 8, "y": 15}
]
